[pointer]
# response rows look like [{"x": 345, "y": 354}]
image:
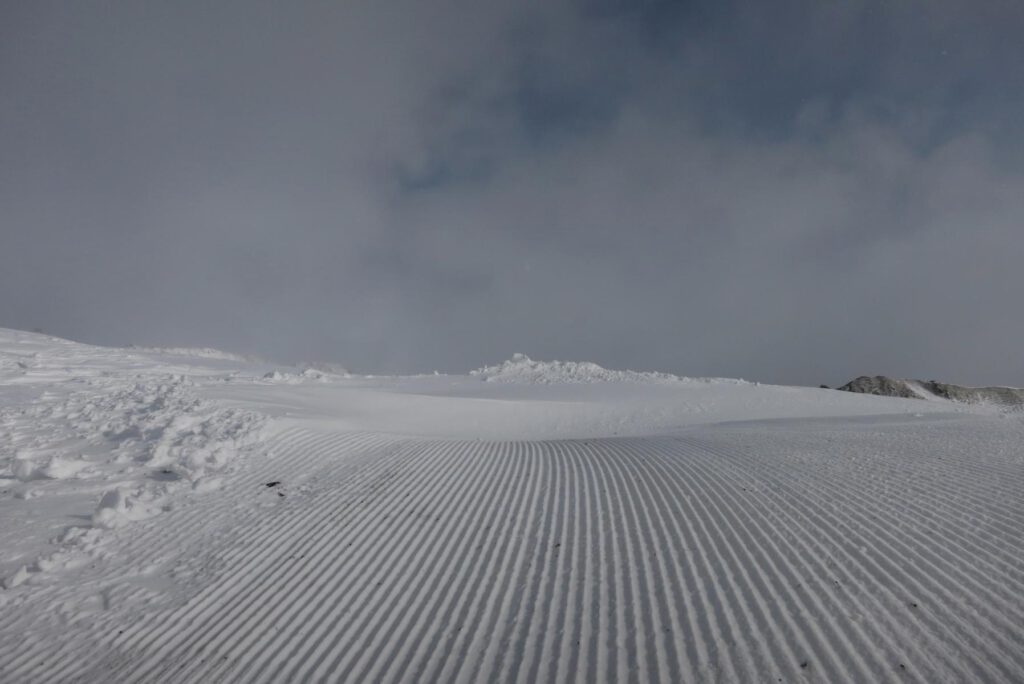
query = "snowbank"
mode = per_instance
[
  {"x": 522, "y": 369},
  {"x": 289, "y": 378}
]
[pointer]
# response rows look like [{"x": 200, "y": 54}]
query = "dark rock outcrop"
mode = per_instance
[
  {"x": 921, "y": 389},
  {"x": 1002, "y": 396},
  {"x": 880, "y": 385}
]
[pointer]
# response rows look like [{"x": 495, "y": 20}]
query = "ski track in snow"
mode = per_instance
[
  {"x": 885, "y": 548},
  {"x": 700, "y": 557}
]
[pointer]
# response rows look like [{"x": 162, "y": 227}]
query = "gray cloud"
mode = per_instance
[{"x": 793, "y": 192}]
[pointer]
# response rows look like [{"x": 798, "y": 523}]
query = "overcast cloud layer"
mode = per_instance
[{"x": 794, "y": 192}]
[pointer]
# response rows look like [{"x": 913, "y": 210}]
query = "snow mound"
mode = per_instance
[
  {"x": 57, "y": 467},
  {"x": 123, "y": 505},
  {"x": 522, "y": 369},
  {"x": 140, "y": 445},
  {"x": 289, "y": 378},
  {"x": 164, "y": 424},
  {"x": 327, "y": 368}
]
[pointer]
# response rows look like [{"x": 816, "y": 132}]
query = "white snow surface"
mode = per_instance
[
  {"x": 521, "y": 368},
  {"x": 177, "y": 515}
]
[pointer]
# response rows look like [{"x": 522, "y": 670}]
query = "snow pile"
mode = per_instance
[
  {"x": 155, "y": 422},
  {"x": 289, "y": 378},
  {"x": 164, "y": 426},
  {"x": 133, "y": 446},
  {"x": 326, "y": 367},
  {"x": 123, "y": 505},
  {"x": 522, "y": 369},
  {"x": 53, "y": 468}
]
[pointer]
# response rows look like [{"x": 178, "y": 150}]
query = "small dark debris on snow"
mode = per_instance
[
  {"x": 913, "y": 605},
  {"x": 274, "y": 483},
  {"x": 804, "y": 665}
]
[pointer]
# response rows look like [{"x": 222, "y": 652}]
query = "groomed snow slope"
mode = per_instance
[{"x": 455, "y": 529}]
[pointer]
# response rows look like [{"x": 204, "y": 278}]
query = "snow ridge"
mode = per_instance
[
  {"x": 522, "y": 369},
  {"x": 194, "y": 352},
  {"x": 1000, "y": 398}
]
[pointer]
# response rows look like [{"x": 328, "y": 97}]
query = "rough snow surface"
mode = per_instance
[
  {"x": 523, "y": 369},
  {"x": 108, "y": 434},
  {"x": 177, "y": 518}
]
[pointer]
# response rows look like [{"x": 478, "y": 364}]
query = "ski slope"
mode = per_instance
[{"x": 190, "y": 516}]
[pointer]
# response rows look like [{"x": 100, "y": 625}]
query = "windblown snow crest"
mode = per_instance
[
  {"x": 522, "y": 369},
  {"x": 194, "y": 352}
]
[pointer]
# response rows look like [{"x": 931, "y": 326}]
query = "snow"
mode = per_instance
[
  {"x": 192, "y": 515},
  {"x": 523, "y": 369}
]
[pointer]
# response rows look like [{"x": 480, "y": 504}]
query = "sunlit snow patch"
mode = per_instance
[{"x": 522, "y": 369}]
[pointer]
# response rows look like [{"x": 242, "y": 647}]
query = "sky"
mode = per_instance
[{"x": 793, "y": 191}]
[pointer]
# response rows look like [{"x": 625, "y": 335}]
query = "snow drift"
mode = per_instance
[{"x": 521, "y": 368}]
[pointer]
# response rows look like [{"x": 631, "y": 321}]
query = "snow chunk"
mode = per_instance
[
  {"x": 57, "y": 468},
  {"x": 122, "y": 505},
  {"x": 17, "y": 578}
]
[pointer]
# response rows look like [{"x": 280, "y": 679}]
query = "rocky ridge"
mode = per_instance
[{"x": 881, "y": 385}]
